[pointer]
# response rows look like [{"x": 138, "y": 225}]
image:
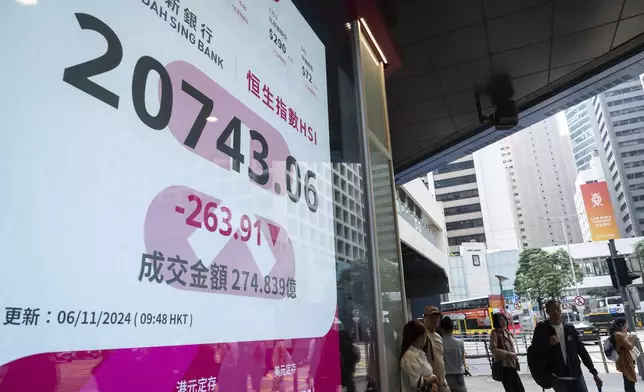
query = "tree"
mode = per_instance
[
  {"x": 602, "y": 292},
  {"x": 544, "y": 274},
  {"x": 639, "y": 249},
  {"x": 389, "y": 276}
]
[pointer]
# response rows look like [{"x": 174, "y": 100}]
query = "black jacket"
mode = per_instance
[{"x": 552, "y": 354}]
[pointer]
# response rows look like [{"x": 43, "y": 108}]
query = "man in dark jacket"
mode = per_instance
[{"x": 558, "y": 345}]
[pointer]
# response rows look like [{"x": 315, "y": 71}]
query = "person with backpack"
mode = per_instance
[
  {"x": 555, "y": 353},
  {"x": 620, "y": 346}
]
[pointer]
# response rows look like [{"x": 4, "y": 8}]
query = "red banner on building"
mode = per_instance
[{"x": 599, "y": 210}]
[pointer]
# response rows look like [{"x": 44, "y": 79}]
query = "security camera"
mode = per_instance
[{"x": 500, "y": 91}]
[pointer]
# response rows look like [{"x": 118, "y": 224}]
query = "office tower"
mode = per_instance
[
  {"x": 619, "y": 116},
  {"x": 542, "y": 174},
  {"x": 496, "y": 198},
  {"x": 456, "y": 186},
  {"x": 582, "y": 138}
]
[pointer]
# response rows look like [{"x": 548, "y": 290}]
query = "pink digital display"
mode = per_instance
[
  {"x": 173, "y": 217},
  {"x": 173, "y": 211},
  {"x": 295, "y": 365}
]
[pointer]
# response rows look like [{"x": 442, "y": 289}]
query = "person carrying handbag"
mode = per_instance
[
  {"x": 506, "y": 364},
  {"x": 627, "y": 353},
  {"x": 416, "y": 374}
]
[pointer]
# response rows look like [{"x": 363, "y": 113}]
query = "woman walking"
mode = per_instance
[
  {"x": 505, "y": 355},
  {"x": 416, "y": 372},
  {"x": 624, "y": 344}
]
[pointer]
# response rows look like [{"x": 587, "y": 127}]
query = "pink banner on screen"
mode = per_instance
[{"x": 272, "y": 365}]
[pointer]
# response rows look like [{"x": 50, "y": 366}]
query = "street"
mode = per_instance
[
  {"x": 612, "y": 383},
  {"x": 478, "y": 364}
]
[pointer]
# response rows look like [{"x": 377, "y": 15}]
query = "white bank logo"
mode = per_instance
[{"x": 597, "y": 200}]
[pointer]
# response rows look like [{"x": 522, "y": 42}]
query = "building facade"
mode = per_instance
[
  {"x": 468, "y": 272},
  {"x": 619, "y": 117},
  {"x": 495, "y": 193},
  {"x": 456, "y": 186},
  {"x": 502, "y": 263},
  {"x": 476, "y": 270},
  {"x": 542, "y": 175},
  {"x": 591, "y": 257},
  {"x": 582, "y": 137}
]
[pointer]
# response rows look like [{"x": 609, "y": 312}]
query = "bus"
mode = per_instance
[
  {"x": 602, "y": 320},
  {"x": 473, "y": 316}
]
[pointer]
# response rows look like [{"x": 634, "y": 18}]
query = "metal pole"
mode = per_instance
[
  {"x": 572, "y": 264},
  {"x": 627, "y": 308},
  {"x": 601, "y": 350}
]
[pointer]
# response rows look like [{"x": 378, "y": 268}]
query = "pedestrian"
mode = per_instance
[
  {"x": 503, "y": 348},
  {"x": 454, "y": 357},
  {"x": 432, "y": 317},
  {"x": 624, "y": 345},
  {"x": 557, "y": 350},
  {"x": 415, "y": 371}
]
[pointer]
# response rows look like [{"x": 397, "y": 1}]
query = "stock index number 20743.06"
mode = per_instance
[{"x": 79, "y": 76}]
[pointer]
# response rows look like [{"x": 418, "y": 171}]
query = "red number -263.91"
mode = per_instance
[{"x": 215, "y": 218}]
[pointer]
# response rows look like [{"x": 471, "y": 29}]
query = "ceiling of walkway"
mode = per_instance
[{"x": 448, "y": 47}]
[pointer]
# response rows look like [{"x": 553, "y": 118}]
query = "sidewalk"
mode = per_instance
[{"x": 612, "y": 383}]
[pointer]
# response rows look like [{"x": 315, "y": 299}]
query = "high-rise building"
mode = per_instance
[
  {"x": 456, "y": 186},
  {"x": 582, "y": 137},
  {"x": 594, "y": 173},
  {"x": 349, "y": 226},
  {"x": 619, "y": 116},
  {"x": 542, "y": 175},
  {"x": 476, "y": 200},
  {"x": 499, "y": 217}
]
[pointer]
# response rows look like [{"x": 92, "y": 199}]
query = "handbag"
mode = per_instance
[
  {"x": 423, "y": 387},
  {"x": 497, "y": 371},
  {"x": 497, "y": 366},
  {"x": 635, "y": 353}
]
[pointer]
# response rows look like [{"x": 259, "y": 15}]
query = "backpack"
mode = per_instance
[
  {"x": 539, "y": 367},
  {"x": 610, "y": 351}
]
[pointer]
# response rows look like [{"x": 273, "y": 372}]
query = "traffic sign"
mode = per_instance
[
  {"x": 564, "y": 300},
  {"x": 580, "y": 301},
  {"x": 517, "y": 305}
]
